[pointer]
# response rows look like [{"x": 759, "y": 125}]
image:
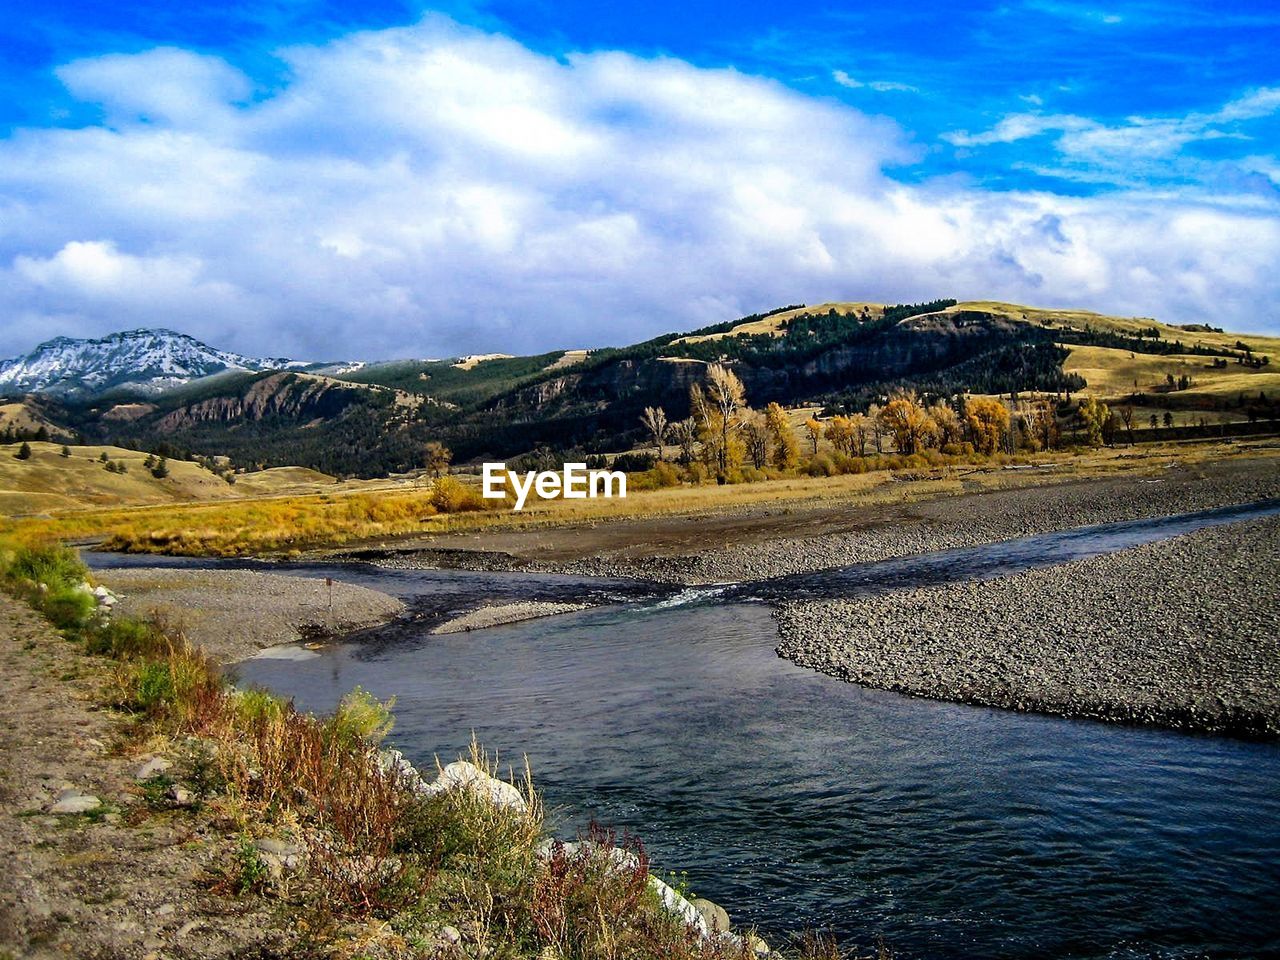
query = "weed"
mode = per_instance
[{"x": 251, "y": 871}]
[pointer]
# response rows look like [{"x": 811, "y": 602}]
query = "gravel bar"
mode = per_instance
[
  {"x": 1183, "y": 633},
  {"x": 234, "y": 613},
  {"x": 494, "y": 615},
  {"x": 951, "y": 522}
]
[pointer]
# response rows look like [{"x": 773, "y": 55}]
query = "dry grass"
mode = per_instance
[
  {"x": 1117, "y": 373},
  {"x": 290, "y": 524}
]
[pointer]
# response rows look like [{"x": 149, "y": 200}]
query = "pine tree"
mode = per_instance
[{"x": 24, "y": 451}]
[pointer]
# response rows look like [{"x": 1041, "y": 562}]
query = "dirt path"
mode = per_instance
[{"x": 127, "y": 880}]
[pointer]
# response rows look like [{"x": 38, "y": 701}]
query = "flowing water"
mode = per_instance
[{"x": 797, "y": 800}]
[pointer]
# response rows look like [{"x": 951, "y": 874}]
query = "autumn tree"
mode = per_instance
[
  {"x": 1094, "y": 416},
  {"x": 437, "y": 457},
  {"x": 861, "y": 426},
  {"x": 908, "y": 422},
  {"x": 719, "y": 406},
  {"x": 755, "y": 434},
  {"x": 655, "y": 421},
  {"x": 988, "y": 421},
  {"x": 950, "y": 430},
  {"x": 839, "y": 433},
  {"x": 877, "y": 432},
  {"x": 813, "y": 427},
  {"x": 685, "y": 433},
  {"x": 786, "y": 451}
]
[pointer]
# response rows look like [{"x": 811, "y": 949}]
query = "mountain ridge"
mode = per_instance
[{"x": 143, "y": 360}]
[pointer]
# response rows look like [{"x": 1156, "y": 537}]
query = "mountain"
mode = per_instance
[
  {"x": 145, "y": 362},
  {"x": 371, "y": 419}
]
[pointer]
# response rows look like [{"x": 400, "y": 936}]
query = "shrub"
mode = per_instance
[
  {"x": 126, "y": 639},
  {"x": 152, "y": 687},
  {"x": 449, "y": 495},
  {"x": 50, "y": 564},
  {"x": 360, "y": 717},
  {"x": 69, "y": 608}
]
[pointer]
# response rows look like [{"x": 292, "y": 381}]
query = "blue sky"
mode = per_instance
[{"x": 385, "y": 178}]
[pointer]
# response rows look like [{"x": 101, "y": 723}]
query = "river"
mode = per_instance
[{"x": 797, "y": 800}]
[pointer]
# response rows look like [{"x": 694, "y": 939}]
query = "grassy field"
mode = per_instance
[
  {"x": 371, "y": 514},
  {"x": 48, "y": 482}
]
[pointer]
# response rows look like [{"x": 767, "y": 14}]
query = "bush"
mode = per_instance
[
  {"x": 69, "y": 608},
  {"x": 152, "y": 687},
  {"x": 127, "y": 639},
  {"x": 50, "y": 564},
  {"x": 449, "y": 495},
  {"x": 360, "y": 717}
]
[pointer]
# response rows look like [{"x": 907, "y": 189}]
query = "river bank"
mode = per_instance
[
  {"x": 720, "y": 548},
  {"x": 233, "y": 614},
  {"x": 1180, "y": 633}
]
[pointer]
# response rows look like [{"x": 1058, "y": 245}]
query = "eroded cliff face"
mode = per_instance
[
  {"x": 665, "y": 379},
  {"x": 300, "y": 397}
]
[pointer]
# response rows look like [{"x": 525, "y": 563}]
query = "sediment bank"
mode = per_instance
[
  {"x": 233, "y": 614},
  {"x": 1184, "y": 633}
]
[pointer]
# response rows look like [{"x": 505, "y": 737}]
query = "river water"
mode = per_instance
[{"x": 797, "y": 800}]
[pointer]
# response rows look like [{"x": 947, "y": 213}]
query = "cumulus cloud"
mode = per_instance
[{"x": 435, "y": 190}]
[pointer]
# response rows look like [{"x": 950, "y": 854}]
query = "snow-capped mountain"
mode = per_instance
[{"x": 147, "y": 361}]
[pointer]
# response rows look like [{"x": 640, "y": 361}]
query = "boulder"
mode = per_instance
[
  {"x": 467, "y": 776},
  {"x": 679, "y": 905},
  {"x": 715, "y": 916}
]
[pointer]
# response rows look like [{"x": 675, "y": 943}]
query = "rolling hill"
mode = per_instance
[{"x": 372, "y": 419}]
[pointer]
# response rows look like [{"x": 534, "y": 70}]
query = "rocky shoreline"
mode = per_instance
[{"x": 1182, "y": 633}]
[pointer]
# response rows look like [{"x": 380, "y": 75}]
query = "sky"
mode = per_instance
[{"x": 364, "y": 180}]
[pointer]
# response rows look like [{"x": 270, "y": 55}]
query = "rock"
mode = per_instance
[
  {"x": 75, "y": 801},
  {"x": 461, "y": 774},
  {"x": 678, "y": 905},
  {"x": 280, "y": 857},
  {"x": 757, "y": 945},
  {"x": 181, "y": 796},
  {"x": 715, "y": 916},
  {"x": 153, "y": 767},
  {"x": 164, "y": 910}
]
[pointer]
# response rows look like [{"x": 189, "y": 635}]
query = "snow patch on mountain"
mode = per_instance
[{"x": 145, "y": 361}]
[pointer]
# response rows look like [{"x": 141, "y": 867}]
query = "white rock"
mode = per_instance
[
  {"x": 463, "y": 775},
  {"x": 153, "y": 767},
  {"x": 181, "y": 796},
  {"x": 679, "y": 905},
  {"x": 75, "y": 801}
]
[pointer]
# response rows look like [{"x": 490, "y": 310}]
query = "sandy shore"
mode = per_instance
[
  {"x": 493, "y": 615},
  {"x": 235, "y": 613},
  {"x": 1183, "y": 633}
]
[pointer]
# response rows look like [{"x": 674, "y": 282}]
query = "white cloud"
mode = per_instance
[
  {"x": 1128, "y": 151},
  {"x": 434, "y": 190},
  {"x": 880, "y": 86}
]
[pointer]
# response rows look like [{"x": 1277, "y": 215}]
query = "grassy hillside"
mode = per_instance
[{"x": 49, "y": 482}]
